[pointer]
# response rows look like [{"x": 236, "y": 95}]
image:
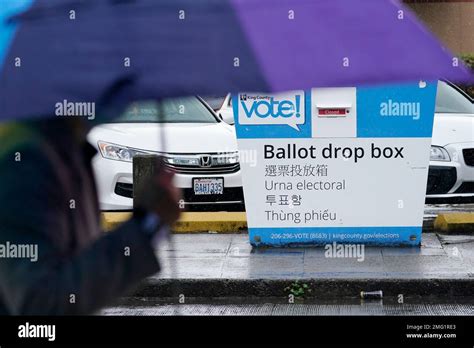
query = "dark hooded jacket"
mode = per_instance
[{"x": 48, "y": 200}]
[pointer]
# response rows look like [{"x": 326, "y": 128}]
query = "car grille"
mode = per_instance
[
  {"x": 440, "y": 179},
  {"x": 468, "y": 156},
  {"x": 221, "y": 169},
  {"x": 466, "y": 187},
  {"x": 124, "y": 190}
]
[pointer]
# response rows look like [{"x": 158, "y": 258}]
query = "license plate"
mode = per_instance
[{"x": 208, "y": 186}]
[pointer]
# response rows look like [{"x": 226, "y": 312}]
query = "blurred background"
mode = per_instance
[{"x": 452, "y": 21}]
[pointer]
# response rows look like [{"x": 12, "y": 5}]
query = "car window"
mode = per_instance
[
  {"x": 176, "y": 110},
  {"x": 450, "y": 100},
  {"x": 215, "y": 102}
]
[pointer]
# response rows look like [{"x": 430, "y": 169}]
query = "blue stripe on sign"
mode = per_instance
[
  {"x": 385, "y": 235},
  {"x": 7, "y": 30},
  {"x": 391, "y": 111},
  {"x": 396, "y": 111}
]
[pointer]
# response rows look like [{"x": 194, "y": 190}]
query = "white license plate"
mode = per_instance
[{"x": 208, "y": 186}]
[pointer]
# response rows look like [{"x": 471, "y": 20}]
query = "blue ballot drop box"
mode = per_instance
[{"x": 346, "y": 165}]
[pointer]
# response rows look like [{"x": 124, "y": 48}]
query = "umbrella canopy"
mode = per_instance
[{"x": 112, "y": 52}]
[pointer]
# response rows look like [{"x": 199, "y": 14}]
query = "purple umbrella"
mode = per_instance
[{"x": 113, "y": 52}]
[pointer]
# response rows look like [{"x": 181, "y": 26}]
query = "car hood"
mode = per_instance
[
  {"x": 179, "y": 137},
  {"x": 453, "y": 128}
]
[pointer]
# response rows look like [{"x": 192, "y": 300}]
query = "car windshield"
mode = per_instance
[
  {"x": 214, "y": 101},
  {"x": 176, "y": 110},
  {"x": 450, "y": 100}
]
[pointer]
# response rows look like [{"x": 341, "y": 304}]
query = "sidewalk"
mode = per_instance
[{"x": 214, "y": 265}]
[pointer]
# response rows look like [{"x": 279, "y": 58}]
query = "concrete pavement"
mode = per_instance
[
  {"x": 231, "y": 256},
  {"x": 212, "y": 265},
  {"x": 225, "y": 265},
  {"x": 296, "y": 309}
]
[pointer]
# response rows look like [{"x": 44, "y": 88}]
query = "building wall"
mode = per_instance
[{"x": 452, "y": 21}]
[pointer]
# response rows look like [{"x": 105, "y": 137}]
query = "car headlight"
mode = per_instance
[
  {"x": 439, "y": 153},
  {"x": 118, "y": 152},
  {"x": 226, "y": 158},
  {"x": 179, "y": 160}
]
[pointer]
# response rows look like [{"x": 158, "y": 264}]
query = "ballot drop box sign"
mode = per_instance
[{"x": 346, "y": 165}]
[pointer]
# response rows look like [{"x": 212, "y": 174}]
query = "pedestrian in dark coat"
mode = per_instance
[{"x": 48, "y": 199}]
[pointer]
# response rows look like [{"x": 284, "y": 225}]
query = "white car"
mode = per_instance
[
  {"x": 199, "y": 148},
  {"x": 451, "y": 172}
]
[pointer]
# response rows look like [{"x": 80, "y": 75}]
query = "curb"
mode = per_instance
[
  {"x": 320, "y": 288},
  {"x": 205, "y": 222},
  {"x": 455, "y": 223},
  {"x": 189, "y": 222},
  {"x": 110, "y": 221}
]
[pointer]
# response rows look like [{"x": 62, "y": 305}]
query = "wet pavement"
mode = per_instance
[
  {"x": 429, "y": 305},
  {"x": 230, "y": 256},
  {"x": 270, "y": 309},
  {"x": 222, "y": 274}
]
